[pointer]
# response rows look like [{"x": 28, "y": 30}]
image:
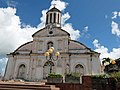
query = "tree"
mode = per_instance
[
  {"x": 105, "y": 60},
  {"x": 112, "y": 65}
]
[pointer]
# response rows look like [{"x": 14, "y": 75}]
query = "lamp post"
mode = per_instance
[{"x": 51, "y": 56}]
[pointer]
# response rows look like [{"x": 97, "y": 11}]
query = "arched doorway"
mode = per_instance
[
  {"x": 79, "y": 69},
  {"x": 48, "y": 68},
  {"x": 21, "y": 71}
]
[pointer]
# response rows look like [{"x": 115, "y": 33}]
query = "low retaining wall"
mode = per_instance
[{"x": 86, "y": 84}]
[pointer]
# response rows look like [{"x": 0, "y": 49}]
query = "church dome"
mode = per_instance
[{"x": 54, "y": 9}]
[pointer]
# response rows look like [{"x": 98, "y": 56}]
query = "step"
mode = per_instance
[
  {"x": 9, "y": 86},
  {"x": 13, "y": 89}
]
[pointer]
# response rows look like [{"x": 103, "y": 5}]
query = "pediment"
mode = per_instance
[{"x": 50, "y": 32}]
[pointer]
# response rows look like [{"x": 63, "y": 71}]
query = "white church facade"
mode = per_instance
[{"x": 29, "y": 62}]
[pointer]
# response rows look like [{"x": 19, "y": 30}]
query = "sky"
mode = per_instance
[{"x": 95, "y": 23}]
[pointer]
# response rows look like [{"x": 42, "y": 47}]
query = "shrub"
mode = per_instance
[
  {"x": 116, "y": 75},
  {"x": 100, "y": 79},
  {"x": 72, "y": 78},
  {"x": 73, "y": 75},
  {"x": 53, "y": 75},
  {"x": 101, "y": 76}
]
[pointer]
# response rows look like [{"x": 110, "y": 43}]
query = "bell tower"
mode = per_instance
[{"x": 53, "y": 18}]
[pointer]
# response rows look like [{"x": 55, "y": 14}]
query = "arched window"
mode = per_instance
[
  {"x": 49, "y": 44},
  {"x": 79, "y": 69},
  {"x": 21, "y": 71}
]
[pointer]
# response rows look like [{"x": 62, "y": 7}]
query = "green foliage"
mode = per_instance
[
  {"x": 73, "y": 74},
  {"x": 72, "y": 78},
  {"x": 101, "y": 76},
  {"x": 112, "y": 65},
  {"x": 116, "y": 75},
  {"x": 54, "y": 75}
]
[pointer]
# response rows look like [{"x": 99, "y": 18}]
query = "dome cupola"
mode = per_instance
[{"x": 53, "y": 17}]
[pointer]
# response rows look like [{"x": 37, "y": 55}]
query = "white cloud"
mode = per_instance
[
  {"x": 59, "y": 4},
  {"x": 42, "y": 19},
  {"x": 3, "y": 63},
  {"x": 115, "y": 14},
  {"x": 115, "y": 28},
  {"x": 85, "y": 33},
  {"x": 75, "y": 34},
  {"x": 114, "y": 54},
  {"x": 64, "y": 18},
  {"x": 85, "y": 29},
  {"x": 119, "y": 14},
  {"x": 114, "y": 25},
  {"x": 12, "y": 35},
  {"x": 11, "y": 32},
  {"x": 101, "y": 49},
  {"x": 11, "y": 3}
]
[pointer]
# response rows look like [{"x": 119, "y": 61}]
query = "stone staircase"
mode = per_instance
[{"x": 16, "y": 86}]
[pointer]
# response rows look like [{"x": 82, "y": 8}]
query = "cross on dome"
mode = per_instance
[{"x": 54, "y": 5}]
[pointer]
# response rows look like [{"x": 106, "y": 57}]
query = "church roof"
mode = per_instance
[
  {"x": 91, "y": 51},
  {"x": 21, "y": 47},
  {"x": 54, "y": 9}
]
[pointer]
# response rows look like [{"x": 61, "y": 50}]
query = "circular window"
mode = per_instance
[{"x": 51, "y": 32}]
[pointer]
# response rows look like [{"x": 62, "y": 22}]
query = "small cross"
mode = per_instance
[{"x": 54, "y": 4}]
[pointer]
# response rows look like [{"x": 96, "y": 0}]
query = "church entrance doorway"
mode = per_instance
[
  {"x": 48, "y": 68},
  {"x": 21, "y": 71}
]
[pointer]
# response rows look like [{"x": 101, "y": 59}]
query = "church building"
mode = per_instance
[{"x": 51, "y": 50}]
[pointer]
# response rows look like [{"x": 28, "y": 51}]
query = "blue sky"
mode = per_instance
[{"x": 95, "y": 23}]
